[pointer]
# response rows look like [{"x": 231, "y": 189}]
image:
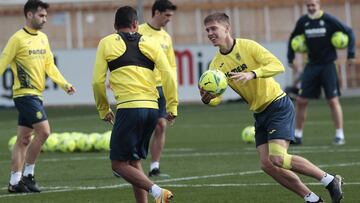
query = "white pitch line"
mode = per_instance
[
  {"x": 68, "y": 189},
  {"x": 203, "y": 154}
]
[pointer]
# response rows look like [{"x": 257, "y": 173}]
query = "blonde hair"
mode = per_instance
[{"x": 217, "y": 17}]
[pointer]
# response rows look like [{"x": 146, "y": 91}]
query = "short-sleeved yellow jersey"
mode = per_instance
[
  {"x": 133, "y": 86},
  {"x": 165, "y": 41},
  {"x": 245, "y": 56},
  {"x": 29, "y": 55}
]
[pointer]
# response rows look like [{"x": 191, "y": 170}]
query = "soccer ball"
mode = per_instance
[
  {"x": 67, "y": 145},
  {"x": 215, "y": 101},
  {"x": 339, "y": 40},
  {"x": 51, "y": 143},
  {"x": 214, "y": 82},
  {"x": 83, "y": 143},
  {"x": 248, "y": 134},
  {"x": 298, "y": 44},
  {"x": 11, "y": 142}
]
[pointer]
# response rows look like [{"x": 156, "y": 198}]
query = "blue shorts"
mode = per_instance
[
  {"x": 316, "y": 76},
  {"x": 31, "y": 110},
  {"x": 277, "y": 121},
  {"x": 161, "y": 103},
  {"x": 131, "y": 133}
]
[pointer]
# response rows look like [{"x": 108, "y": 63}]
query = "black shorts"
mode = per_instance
[
  {"x": 277, "y": 121},
  {"x": 316, "y": 77},
  {"x": 161, "y": 103},
  {"x": 131, "y": 133},
  {"x": 31, "y": 110}
]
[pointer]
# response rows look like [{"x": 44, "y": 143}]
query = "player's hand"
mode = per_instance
[
  {"x": 170, "y": 118},
  {"x": 242, "y": 77},
  {"x": 292, "y": 66},
  {"x": 109, "y": 117},
  {"x": 206, "y": 96},
  {"x": 71, "y": 90},
  {"x": 350, "y": 61}
]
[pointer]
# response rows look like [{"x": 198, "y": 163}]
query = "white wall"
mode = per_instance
[{"x": 77, "y": 68}]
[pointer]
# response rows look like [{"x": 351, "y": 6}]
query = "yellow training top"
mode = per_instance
[
  {"x": 29, "y": 55},
  {"x": 245, "y": 56},
  {"x": 132, "y": 81},
  {"x": 165, "y": 41}
]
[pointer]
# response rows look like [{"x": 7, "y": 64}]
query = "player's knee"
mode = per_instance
[
  {"x": 301, "y": 101},
  {"x": 277, "y": 160},
  {"x": 43, "y": 136},
  {"x": 266, "y": 165},
  {"x": 25, "y": 140},
  {"x": 279, "y": 156},
  {"x": 333, "y": 102}
]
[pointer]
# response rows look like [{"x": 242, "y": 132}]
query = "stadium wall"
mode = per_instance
[{"x": 77, "y": 68}]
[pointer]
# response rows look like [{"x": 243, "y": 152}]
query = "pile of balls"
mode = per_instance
[{"x": 73, "y": 142}]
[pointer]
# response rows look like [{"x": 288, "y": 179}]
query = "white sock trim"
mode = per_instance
[
  {"x": 298, "y": 133},
  {"x": 29, "y": 169},
  {"x": 339, "y": 133},
  {"x": 155, "y": 191},
  {"x": 326, "y": 179},
  {"x": 311, "y": 197},
  {"x": 15, "y": 177},
  {"x": 155, "y": 164}
]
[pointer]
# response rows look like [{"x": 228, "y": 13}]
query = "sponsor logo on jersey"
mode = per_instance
[
  {"x": 315, "y": 32},
  {"x": 37, "y": 51},
  {"x": 238, "y": 69}
]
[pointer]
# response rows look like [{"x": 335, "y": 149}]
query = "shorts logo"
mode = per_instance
[
  {"x": 39, "y": 115},
  {"x": 272, "y": 131}
]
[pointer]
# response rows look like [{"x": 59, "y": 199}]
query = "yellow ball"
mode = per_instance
[
  {"x": 298, "y": 44},
  {"x": 93, "y": 138},
  {"x": 214, "y": 82},
  {"x": 51, "y": 143},
  {"x": 248, "y": 134},
  {"x": 67, "y": 145},
  {"x": 83, "y": 143},
  {"x": 339, "y": 40},
  {"x": 12, "y": 142},
  {"x": 214, "y": 102}
]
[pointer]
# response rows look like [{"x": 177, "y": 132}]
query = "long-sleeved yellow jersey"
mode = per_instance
[
  {"x": 165, "y": 41},
  {"x": 29, "y": 55},
  {"x": 245, "y": 56},
  {"x": 134, "y": 85}
]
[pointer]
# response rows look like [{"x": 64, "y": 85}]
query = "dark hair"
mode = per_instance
[
  {"x": 33, "y": 5},
  {"x": 162, "y": 6},
  {"x": 217, "y": 17},
  {"x": 124, "y": 17}
]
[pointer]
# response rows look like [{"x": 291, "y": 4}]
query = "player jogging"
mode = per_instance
[
  {"x": 250, "y": 68},
  {"x": 28, "y": 52}
]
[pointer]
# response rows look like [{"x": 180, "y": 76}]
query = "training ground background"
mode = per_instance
[{"x": 205, "y": 158}]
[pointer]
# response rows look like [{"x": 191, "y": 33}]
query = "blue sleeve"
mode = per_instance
[
  {"x": 339, "y": 26},
  {"x": 298, "y": 30}
]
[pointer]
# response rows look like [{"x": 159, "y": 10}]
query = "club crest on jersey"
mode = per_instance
[
  {"x": 237, "y": 55},
  {"x": 39, "y": 115},
  {"x": 221, "y": 65},
  {"x": 321, "y": 23}
]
